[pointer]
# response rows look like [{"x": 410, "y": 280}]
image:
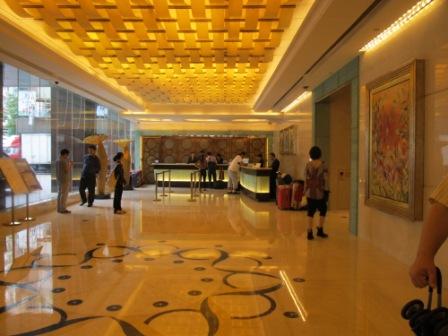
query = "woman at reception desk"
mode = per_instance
[
  {"x": 255, "y": 182},
  {"x": 181, "y": 172}
]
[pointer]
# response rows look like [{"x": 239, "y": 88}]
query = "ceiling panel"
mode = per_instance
[{"x": 171, "y": 51}]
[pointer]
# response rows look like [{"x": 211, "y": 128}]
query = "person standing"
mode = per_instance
[
  {"x": 90, "y": 169},
  {"x": 219, "y": 159},
  {"x": 275, "y": 166},
  {"x": 202, "y": 164},
  {"x": 64, "y": 180},
  {"x": 120, "y": 182},
  {"x": 434, "y": 233},
  {"x": 260, "y": 160},
  {"x": 212, "y": 164},
  {"x": 192, "y": 158},
  {"x": 316, "y": 191},
  {"x": 234, "y": 173}
]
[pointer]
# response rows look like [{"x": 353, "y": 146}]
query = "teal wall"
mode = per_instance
[
  {"x": 347, "y": 75},
  {"x": 137, "y": 136}
]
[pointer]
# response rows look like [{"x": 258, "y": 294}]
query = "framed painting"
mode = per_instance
[
  {"x": 396, "y": 140},
  {"x": 288, "y": 138}
]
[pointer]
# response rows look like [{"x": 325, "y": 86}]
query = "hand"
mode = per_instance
[{"x": 423, "y": 273}]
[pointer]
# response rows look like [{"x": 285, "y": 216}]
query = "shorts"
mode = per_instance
[{"x": 316, "y": 204}]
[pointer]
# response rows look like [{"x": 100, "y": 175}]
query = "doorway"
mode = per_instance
[{"x": 333, "y": 135}]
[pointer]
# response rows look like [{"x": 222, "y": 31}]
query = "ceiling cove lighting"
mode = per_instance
[
  {"x": 297, "y": 101},
  {"x": 154, "y": 120},
  {"x": 250, "y": 120},
  {"x": 203, "y": 120},
  {"x": 134, "y": 113},
  {"x": 397, "y": 25}
]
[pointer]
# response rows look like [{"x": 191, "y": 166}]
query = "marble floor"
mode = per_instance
[{"x": 223, "y": 265}]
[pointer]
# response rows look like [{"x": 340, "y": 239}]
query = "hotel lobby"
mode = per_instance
[{"x": 170, "y": 83}]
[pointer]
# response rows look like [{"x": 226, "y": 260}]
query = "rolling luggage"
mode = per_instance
[
  {"x": 284, "y": 196},
  {"x": 297, "y": 194}
]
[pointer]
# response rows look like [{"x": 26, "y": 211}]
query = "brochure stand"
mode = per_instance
[
  {"x": 22, "y": 180},
  {"x": 13, "y": 221},
  {"x": 28, "y": 218}
]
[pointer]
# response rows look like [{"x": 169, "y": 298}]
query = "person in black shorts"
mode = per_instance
[{"x": 316, "y": 191}]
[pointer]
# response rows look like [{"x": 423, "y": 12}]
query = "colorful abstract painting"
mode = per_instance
[
  {"x": 390, "y": 142},
  {"x": 396, "y": 141}
]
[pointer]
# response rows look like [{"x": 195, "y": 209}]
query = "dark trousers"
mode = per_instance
[
  {"x": 211, "y": 176},
  {"x": 203, "y": 178},
  {"x": 273, "y": 185},
  {"x": 117, "y": 196},
  {"x": 88, "y": 182}
]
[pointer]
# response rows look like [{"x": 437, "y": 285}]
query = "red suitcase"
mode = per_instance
[
  {"x": 284, "y": 197},
  {"x": 297, "y": 194}
]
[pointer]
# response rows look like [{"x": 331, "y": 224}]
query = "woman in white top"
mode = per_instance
[{"x": 234, "y": 173}]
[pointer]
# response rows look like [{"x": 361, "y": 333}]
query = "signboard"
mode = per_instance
[{"x": 19, "y": 175}]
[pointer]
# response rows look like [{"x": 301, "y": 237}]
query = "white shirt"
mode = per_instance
[{"x": 235, "y": 164}]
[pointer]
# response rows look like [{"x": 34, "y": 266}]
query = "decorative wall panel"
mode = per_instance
[{"x": 173, "y": 149}]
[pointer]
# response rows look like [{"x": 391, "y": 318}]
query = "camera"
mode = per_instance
[{"x": 427, "y": 321}]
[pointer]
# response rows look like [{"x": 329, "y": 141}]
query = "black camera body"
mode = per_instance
[{"x": 427, "y": 321}]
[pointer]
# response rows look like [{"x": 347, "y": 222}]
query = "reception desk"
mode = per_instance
[
  {"x": 181, "y": 172},
  {"x": 255, "y": 182}
]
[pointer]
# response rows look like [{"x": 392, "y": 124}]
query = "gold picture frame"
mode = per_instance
[{"x": 396, "y": 142}]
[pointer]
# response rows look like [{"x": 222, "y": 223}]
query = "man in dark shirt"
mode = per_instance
[
  {"x": 275, "y": 166},
  {"x": 90, "y": 168},
  {"x": 202, "y": 163}
]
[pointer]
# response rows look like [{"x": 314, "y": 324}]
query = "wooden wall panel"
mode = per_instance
[{"x": 174, "y": 149}]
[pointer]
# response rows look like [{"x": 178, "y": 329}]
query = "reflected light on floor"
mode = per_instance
[{"x": 295, "y": 298}]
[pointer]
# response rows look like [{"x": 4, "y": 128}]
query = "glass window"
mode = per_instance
[{"x": 40, "y": 120}]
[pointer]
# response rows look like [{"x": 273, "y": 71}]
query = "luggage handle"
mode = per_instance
[{"x": 438, "y": 290}]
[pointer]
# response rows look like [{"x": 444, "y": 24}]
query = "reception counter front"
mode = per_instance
[
  {"x": 181, "y": 172},
  {"x": 255, "y": 182}
]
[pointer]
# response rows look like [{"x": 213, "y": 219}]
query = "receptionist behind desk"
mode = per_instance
[
  {"x": 275, "y": 166},
  {"x": 260, "y": 160}
]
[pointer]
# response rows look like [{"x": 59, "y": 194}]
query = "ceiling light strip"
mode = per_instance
[
  {"x": 397, "y": 25},
  {"x": 297, "y": 101}
]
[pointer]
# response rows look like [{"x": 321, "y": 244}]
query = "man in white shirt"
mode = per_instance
[{"x": 234, "y": 173}]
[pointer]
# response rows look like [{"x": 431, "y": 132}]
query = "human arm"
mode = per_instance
[
  {"x": 434, "y": 233},
  {"x": 58, "y": 170},
  {"x": 275, "y": 165},
  {"x": 97, "y": 165}
]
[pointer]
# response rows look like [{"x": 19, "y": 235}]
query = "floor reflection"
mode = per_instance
[{"x": 224, "y": 265}]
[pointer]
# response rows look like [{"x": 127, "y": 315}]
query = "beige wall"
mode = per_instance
[
  {"x": 339, "y": 156},
  {"x": 425, "y": 38}
]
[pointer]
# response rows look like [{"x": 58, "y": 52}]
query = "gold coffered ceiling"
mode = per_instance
[{"x": 178, "y": 51}]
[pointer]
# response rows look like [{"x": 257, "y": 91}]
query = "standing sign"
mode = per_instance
[{"x": 19, "y": 175}]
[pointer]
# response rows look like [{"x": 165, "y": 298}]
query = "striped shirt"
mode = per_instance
[{"x": 440, "y": 194}]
